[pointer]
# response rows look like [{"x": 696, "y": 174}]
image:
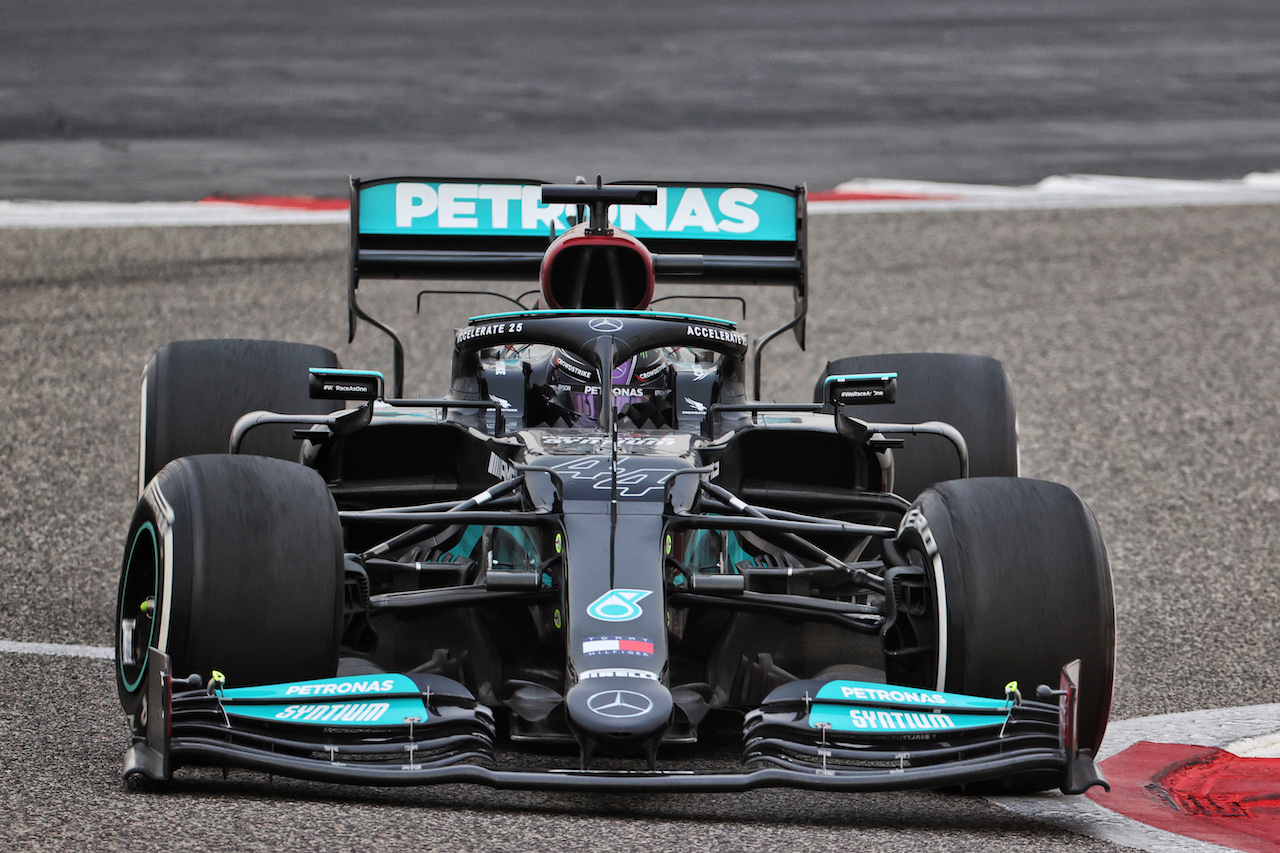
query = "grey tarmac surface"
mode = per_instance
[
  {"x": 1143, "y": 344},
  {"x": 170, "y": 101}
]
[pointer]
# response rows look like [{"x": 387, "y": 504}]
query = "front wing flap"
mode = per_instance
[
  {"x": 398, "y": 730},
  {"x": 848, "y": 728}
]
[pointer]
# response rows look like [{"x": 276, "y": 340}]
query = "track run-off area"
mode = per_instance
[{"x": 1142, "y": 334}]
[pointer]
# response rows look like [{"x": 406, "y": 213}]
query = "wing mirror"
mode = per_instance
[
  {"x": 858, "y": 389},
  {"x": 334, "y": 384}
]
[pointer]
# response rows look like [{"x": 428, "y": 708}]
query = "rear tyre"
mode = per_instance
[
  {"x": 1023, "y": 586},
  {"x": 232, "y": 563},
  {"x": 194, "y": 391},
  {"x": 970, "y": 392}
]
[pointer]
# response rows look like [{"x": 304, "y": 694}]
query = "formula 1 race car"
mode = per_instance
[{"x": 599, "y": 558}]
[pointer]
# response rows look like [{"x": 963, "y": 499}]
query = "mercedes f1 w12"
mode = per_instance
[{"x": 598, "y": 560}]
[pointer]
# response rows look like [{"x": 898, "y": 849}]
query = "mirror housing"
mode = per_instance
[
  {"x": 337, "y": 384},
  {"x": 858, "y": 389}
]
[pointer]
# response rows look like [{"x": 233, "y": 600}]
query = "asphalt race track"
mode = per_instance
[
  {"x": 1143, "y": 343},
  {"x": 170, "y": 101}
]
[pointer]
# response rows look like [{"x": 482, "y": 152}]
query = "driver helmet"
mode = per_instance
[
  {"x": 635, "y": 381},
  {"x": 612, "y": 271}
]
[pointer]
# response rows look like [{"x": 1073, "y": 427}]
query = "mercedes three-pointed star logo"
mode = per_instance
[
  {"x": 606, "y": 324},
  {"x": 620, "y": 704}
]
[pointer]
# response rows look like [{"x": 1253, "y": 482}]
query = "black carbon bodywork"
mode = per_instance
[{"x": 554, "y": 577}]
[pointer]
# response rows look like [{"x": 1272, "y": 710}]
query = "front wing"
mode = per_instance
[{"x": 396, "y": 730}]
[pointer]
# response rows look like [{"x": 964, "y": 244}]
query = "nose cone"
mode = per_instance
[{"x": 618, "y": 716}]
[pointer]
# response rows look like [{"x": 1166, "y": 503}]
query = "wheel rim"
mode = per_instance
[{"x": 136, "y": 610}]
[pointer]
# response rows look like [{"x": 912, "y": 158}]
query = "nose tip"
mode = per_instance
[{"x": 618, "y": 715}]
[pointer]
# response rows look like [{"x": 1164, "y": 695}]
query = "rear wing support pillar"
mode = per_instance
[{"x": 355, "y": 312}]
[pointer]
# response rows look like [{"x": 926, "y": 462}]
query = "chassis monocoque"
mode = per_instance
[{"x": 560, "y": 576}]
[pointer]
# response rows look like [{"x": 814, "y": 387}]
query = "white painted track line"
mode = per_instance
[
  {"x": 74, "y": 214},
  {"x": 856, "y": 196},
  {"x": 103, "y": 652},
  {"x": 1055, "y": 191}
]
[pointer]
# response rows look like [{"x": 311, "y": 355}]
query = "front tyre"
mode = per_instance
[
  {"x": 232, "y": 563},
  {"x": 1021, "y": 586}
]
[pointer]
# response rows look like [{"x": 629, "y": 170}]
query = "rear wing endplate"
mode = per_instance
[{"x": 499, "y": 230}]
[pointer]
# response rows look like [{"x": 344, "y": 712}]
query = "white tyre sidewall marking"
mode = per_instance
[
  {"x": 915, "y": 520},
  {"x": 1017, "y": 446},
  {"x": 142, "y": 437},
  {"x": 164, "y": 516}
]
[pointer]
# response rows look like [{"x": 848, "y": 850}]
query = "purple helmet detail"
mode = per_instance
[{"x": 588, "y": 405}]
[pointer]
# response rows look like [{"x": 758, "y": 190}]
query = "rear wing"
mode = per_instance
[{"x": 499, "y": 230}]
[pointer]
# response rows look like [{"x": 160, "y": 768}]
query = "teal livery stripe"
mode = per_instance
[
  {"x": 552, "y": 313},
  {"x": 516, "y": 210},
  {"x": 884, "y": 721},
  {"x": 909, "y": 698},
  {"x": 374, "y": 700}
]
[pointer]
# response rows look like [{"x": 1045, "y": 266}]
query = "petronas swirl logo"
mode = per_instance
[{"x": 618, "y": 605}]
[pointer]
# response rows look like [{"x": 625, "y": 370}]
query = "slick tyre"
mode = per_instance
[
  {"x": 194, "y": 391},
  {"x": 1022, "y": 586},
  {"x": 970, "y": 392},
  {"x": 232, "y": 563}
]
